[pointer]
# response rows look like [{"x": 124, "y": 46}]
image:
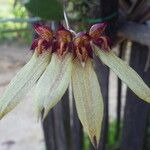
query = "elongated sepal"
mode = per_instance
[
  {"x": 125, "y": 73},
  {"x": 53, "y": 83},
  {"x": 23, "y": 82},
  {"x": 88, "y": 99}
]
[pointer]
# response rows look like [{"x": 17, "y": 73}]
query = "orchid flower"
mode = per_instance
[
  {"x": 30, "y": 73},
  {"x": 101, "y": 48},
  {"x": 60, "y": 59}
]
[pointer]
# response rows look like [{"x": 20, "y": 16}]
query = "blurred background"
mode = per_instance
[{"x": 126, "y": 124}]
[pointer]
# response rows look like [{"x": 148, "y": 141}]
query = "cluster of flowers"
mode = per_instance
[
  {"x": 63, "y": 41},
  {"x": 62, "y": 58}
]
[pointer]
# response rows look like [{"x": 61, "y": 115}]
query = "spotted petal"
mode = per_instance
[
  {"x": 53, "y": 83},
  {"x": 125, "y": 73},
  {"x": 23, "y": 82},
  {"x": 88, "y": 99}
]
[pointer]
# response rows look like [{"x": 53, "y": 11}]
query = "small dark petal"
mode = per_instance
[
  {"x": 90, "y": 51},
  {"x": 97, "y": 42},
  {"x": 54, "y": 46},
  {"x": 105, "y": 43},
  {"x": 46, "y": 44},
  {"x": 102, "y": 42},
  {"x": 109, "y": 41},
  {"x": 74, "y": 50},
  {"x": 70, "y": 46},
  {"x": 34, "y": 44}
]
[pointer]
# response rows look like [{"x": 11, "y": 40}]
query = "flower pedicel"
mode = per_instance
[{"x": 61, "y": 58}]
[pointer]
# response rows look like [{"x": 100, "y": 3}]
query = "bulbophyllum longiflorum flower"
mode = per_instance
[
  {"x": 30, "y": 73},
  {"x": 62, "y": 58}
]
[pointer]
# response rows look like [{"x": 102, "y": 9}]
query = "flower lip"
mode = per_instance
[
  {"x": 97, "y": 29},
  {"x": 44, "y": 32},
  {"x": 82, "y": 47}
]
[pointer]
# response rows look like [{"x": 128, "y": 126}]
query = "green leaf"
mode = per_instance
[
  {"x": 53, "y": 84},
  {"x": 125, "y": 73},
  {"x": 46, "y": 9},
  {"x": 88, "y": 99},
  {"x": 23, "y": 82}
]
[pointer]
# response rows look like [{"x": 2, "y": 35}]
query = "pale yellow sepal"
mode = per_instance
[
  {"x": 23, "y": 82},
  {"x": 53, "y": 83},
  {"x": 88, "y": 99},
  {"x": 125, "y": 73}
]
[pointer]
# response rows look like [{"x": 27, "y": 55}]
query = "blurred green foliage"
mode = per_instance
[
  {"x": 46, "y": 9},
  {"x": 112, "y": 143},
  {"x": 11, "y": 11}
]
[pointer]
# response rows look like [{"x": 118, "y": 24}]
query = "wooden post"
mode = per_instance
[
  {"x": 76, "y": 130},
  {"x": 56, "y": 135},
  {"x": 136, "y": 111},
  {"x": 121, "y": 49}
]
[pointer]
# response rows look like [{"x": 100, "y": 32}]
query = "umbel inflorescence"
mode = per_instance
[{"x": 62, "y": 58}]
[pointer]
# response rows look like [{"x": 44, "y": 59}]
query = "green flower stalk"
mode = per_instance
[{"x": 61, "y": 58}]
